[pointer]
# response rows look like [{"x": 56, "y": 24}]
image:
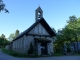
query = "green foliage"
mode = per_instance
[
  {"x": 75, "y": 26},
  {"x": 13, "y": 35},
  {"x": 59, "y": 42},
  {"x": 68, "y": 35},
  {"x": 3, "y": 42},
  {"x": 16, "y": 54},
  {"x": 31, "y": 49},
  {"x": 13, "y": 53},
  {"x": 57, "y": 54},
  {"x": 16, "y": 33},
  {"x": 2, "y": 7},
  {"x": 68, "y": 50},
  {"x": 54, "y": 30}
]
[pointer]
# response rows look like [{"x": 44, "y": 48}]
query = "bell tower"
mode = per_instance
[{"x": 38, "y": 13}]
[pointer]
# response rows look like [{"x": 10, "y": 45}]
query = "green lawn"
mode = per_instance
[
  {"x": 13, "y": 53},
  {"x": 57, "y": 54},
  {"x": 16, "y": 54}
]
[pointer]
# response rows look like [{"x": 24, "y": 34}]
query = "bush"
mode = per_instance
[
  {"x": 57, "y": 54},
  {"x": 31, "y": 49},
  {"x": 68, "y": 50}
]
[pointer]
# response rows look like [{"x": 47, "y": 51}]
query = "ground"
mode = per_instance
[{"x": 8, "y": 57}]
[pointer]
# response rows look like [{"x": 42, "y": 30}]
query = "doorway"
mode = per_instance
[{"x": 43, "y": 48}]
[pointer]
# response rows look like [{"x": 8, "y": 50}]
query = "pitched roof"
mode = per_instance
[
  {"x": 44, "y": 24},
  {"x": 39, "y": 8}
]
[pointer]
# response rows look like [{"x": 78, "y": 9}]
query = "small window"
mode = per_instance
[
  {"x": 40, "y": 28},
  {"x": 36, "y": 29},
  {"x": 43, "y": 31},
  {"x": 39, "y": 15}
]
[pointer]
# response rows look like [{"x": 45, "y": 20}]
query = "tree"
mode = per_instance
[
  {"x": 66, "y": 35},
  {"x": 16, "y": 33},
  {"x": 74, "y": 24},
  {"x": 3, "y": 36},
  {"x": 31, "y": 49},
  {"x": 11, "y": 37},
  {"x": 73, "y": 30},
  {"x": 69, "y": 34},
  {"x": 2, "y": 7},
  {"x": 54, "y": 30},
  {"x": 59, "y": 42},
  {"x": 3, "y": 41}
]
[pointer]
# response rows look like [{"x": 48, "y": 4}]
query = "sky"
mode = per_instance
[{"x": 22, "y": 14}]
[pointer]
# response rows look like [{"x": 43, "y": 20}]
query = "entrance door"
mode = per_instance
[{"x": 43, "y": 48}]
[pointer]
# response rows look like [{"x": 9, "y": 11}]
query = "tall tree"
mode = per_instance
[
  {"x": 74, "y": 24},
  {"x": 16, "y": 33},
  {"x": 59, "y": 42},
  {"x": 3, "y": 41},
  {"x": 3, "y": 36},
  {"x": 11, "y": 37},
  {"x": 70, "y": 33}
]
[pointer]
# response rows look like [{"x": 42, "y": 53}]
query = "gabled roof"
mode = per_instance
[
  {"x": 44, "y": 24},
  {"x": 39, "y": 9}
]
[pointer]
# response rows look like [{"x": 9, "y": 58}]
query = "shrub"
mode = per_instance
[
  {"x": 68, "y": 50},
  {"x": 31, "y": 49}
]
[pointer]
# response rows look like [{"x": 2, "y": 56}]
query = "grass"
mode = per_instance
[
  {"x": 76, "y": 54},
  {"x": 16, "y": 54},
  {"x": 13, "y": 53},
  {"x": 60, "y": 54},
  {"x": 57, "y": 54}
]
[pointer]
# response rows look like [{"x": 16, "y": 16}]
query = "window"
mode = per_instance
[
  {"x": 40, "y": 28},
  {"x": 36, "y": 29},
  {"x": 43, "y": 31},
  {"x": 39, "y": 15}
]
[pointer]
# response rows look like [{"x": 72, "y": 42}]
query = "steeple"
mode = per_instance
[{"x": 38, "y": 13}]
